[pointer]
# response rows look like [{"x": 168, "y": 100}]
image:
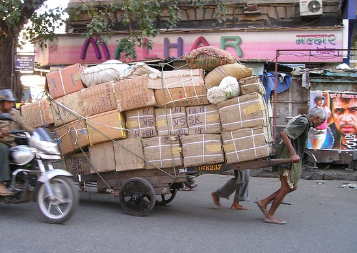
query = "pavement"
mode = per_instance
[{"x": 326, "y": 173}]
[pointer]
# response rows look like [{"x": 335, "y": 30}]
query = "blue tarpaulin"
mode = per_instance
[{"x": 268, "y": 80}]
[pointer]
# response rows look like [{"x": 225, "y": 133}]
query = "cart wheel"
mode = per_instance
[
  {"x": 167, "y": 198},
  {"x": 137, "y": 196}
]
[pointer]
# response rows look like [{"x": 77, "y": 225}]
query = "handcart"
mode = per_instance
[{"x": 140, "y": 190}]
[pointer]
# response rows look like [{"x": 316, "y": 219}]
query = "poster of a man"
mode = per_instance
[
  {"x": 317, "y": 135},
  {"x": 340, "y": 130}
]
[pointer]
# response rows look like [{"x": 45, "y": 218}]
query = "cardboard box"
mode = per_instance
[
  {"x": 246, "y": 144},
  {"x": 102, "y": 157},
  {"x": 133, "y": 94},
  {"x": 179, "y": 88},
  {"x": 171, "y": 121},
  {"x": 251, "y": 84},
  {"x": 97, "y": 99},
  {"x": 66, "y": 109},
  {"x": 72, "y": 136},
  {"x": 162, "y": 152},
  {"x": 106, "y": 126},
  {"x": 242, "y": 112},
  {"x": 64, "y": 81},
  {"x": 141, "y": 123},
  {"x": 126, "y": 160},
  {"x": 37, "y": 114},
  {"x": 203, "y": 119},
  {"x": 201, "y": 149},
  {"x": 252, "y": 87},
  {"x": 176, "y": 79},
  {"x": 78, "y": 163}
]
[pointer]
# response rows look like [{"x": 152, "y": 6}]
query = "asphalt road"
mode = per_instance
[{"x": 321, "y": 218}]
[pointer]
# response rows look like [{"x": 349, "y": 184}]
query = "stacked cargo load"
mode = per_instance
[{"x": 155, "y": 119}]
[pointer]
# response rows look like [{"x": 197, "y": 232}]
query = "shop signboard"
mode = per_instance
[
  {"x": 339, "y": 131},
  {"x": 24, "y": 62}
]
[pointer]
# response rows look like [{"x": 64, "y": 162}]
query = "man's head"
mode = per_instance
[
  {"x": 319, "y": 100},
  {"x": 344, "y": 113},
  {"x": 317, "y": 116},
  {"x": 7, "y": 100}
]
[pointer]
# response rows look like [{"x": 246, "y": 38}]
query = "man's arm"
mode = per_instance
[{"x": 294, "y": 157}]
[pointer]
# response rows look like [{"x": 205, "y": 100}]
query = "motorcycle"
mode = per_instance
[{"x": 34, "y": 178}]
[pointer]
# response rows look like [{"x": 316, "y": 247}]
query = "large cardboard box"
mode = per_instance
[
  {"x": 66, "y": 109},
  {"x": 201, "y": 149},
  {"x": 129, "y": 154},
  {"x": 179, "y": 88},
  {"x": 64, "y": 81},
  {"x": 37, "y": 114},
  {"x": 203, "y": 119},
  {"x": 72, "y": 136},
  {"x": 133, "y": 94},
  {"x": 162, "y": 152},
  {"x": 246, "y": 144},
  {"x": 242, "y": 112},
  {"x": 141, "y": 123},
  {"x": 102, "y": 157},
  {"x": 106, "y": 126},
  {"x": 97, "y": 99},
  {"x": 78, "y": 163},
  {"x": 171, "y": 121}
]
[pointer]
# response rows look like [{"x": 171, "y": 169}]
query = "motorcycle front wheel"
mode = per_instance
[{"x": 64, "y": 202}]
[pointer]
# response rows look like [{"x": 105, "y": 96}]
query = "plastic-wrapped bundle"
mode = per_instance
[{"x": 228, "y": 88}]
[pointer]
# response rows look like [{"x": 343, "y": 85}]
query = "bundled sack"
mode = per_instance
[
  {"x": 179, "y": 88},
  {"x": 137, "y": 70},
  {"x": 141, "y": 123},
  {"x": 236, "y": 70},
  {"x": 203, "y": 119},
  {"x": 228, "y": 88},
  {"x": 111, "y": 70},
  {"x": 202, "y": 149},
  {"x": 242, "y": 112},
  {"x": 246, "y": 144},
  {"x": 208, "y": 58},
  {"x": 251, "y": 84},
  {"x": 162, "y": 152},
  {"x": 171, "y": 121}
]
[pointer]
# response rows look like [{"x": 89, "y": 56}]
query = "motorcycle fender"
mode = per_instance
[{"x": 53, "y": 173}]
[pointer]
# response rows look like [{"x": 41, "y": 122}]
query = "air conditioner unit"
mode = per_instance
[{"x": 310, "y": 8}]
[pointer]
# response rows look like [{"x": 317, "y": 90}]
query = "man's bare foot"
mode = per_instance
[
  {"x": 215, "y": 199},
  {"x": 274, "y": 220},
  {"x": 239, "y": 207},
  {"x": 262, "y": 207}
]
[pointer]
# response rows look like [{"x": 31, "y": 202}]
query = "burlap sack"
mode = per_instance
[
  {"x": 208, "y": 58},
  {"x": 236, "y": 70}
]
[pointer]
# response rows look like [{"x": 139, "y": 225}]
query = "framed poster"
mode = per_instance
[{"x": 339, "y": 131}]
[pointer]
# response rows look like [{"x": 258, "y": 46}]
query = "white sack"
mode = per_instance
[
  {"x": 137, "y": 70},
  {"x": 111, "y": 70},
  {"x": 228, "y": 88}
]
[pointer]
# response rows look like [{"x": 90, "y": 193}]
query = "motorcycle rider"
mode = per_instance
[{"x": 7, "y": 105}]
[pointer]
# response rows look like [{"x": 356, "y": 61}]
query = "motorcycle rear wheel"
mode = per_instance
[{"x": 64, "y": 204}]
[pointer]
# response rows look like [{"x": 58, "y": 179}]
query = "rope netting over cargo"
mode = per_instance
[{"x": 204, "y": 108}]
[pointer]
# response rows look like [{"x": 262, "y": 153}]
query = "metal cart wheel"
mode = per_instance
[
  {"x": 137, "y": 196},
  {"x": 167, "y": 198},
  {"x": 309, "y": 166}
]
